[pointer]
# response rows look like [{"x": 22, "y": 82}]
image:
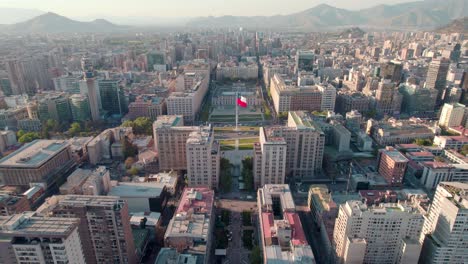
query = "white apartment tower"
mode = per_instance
[
  {"x": 303, "y": 141},
  {"x": 446, "y": 228},
  {"x": 269, "y": 160},
  {"x": 203, "y": 156},
  {"x": 452, "y": 115},
  {"x": 384, "y": 234},
  {"x": 328, "y": 97}
]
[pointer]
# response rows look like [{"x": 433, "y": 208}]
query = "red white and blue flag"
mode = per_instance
[{"x": 241, "y": 101}]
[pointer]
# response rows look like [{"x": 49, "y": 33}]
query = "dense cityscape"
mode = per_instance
[{"x": 232, "y": 144}]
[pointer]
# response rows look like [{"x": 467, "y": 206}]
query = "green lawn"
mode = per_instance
[
  {"x": 233, "y": 128},
  {"x": 232, "y": 118},
  {"x": 243, "y": 141},
  {"x": 244, "y": 144}
]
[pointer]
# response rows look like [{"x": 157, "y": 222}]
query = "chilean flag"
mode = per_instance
[{"x": 241, "y": 101}]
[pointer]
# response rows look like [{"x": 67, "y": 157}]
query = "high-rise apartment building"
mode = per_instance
[
  {"x": 328, "y": 97},
  {"x": 392, "y": 165},
  {"x": 452, "y": 115},
  {"x": 384, "y": 234},
  {"x": 269, "y": 159},
  {"x": 445, "y": 229},
  {"x": 191, "y": 88},
  {"x": 104, "y": 225},
  {"x": 437, "y": 76},
  {"x": 203, "y": 155},
  {"x": 301, "y": 142},
  {"x": 28, "y": 74},
  {"x": 391, "y": 70},
  {"x": 388, "y": 98},
  {"x": 27, "y": 238},
  {"x": 170, "y": 140}
]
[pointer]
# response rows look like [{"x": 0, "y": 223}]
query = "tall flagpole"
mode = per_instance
[{"x": 237, "y": 111}]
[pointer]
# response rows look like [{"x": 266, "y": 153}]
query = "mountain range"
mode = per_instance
[
  {"x": 54, "y": 23},
  {"x": 427, "y": 14},
  {"x": 457, "y": 25}
]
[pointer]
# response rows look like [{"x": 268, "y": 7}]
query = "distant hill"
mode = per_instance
[
  {"x": 15, "y": 15},
  {"x": 53, "y": 23},
  {"x": 427, "y": 14},
  {"x": 355, "y": 32},
  {"x": 457, "y": 26}
]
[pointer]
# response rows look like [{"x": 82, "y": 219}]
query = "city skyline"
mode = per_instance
[{"x": 183, "y": 8}]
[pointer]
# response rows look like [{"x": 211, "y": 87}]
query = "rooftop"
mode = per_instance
[
  {"x": 113, "y": 202},
  {"x": 26, "y": 224},
  {"x": 34, "y": 154},
  {"x": 145, "y": 189},
  {"x": 303, "y": 120},
  {"x": 168, "y": 121},
  {"x": 274, "y": 190},
  {"x": 199, "y": 199},
  {"x": 171, "y": 256},
  {"x": 395, "y": 155}
]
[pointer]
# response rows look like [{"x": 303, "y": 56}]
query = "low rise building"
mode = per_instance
[
  {"x": 141, "y": 196},
  {"x": 169, "y": 179},
  {"x": 391, "y": 132},
  {"x": 107, "y": 145},
  {"x": 44, "y": 161},
  {"x": 282, "y": 236},
  {"x": 87, "y": 182},
  {"x": 190, "y": 230},
  {"x": 451, "y": 142},
  {"x": 392, "y": 165},
  {"x": 435, "y": 172}
]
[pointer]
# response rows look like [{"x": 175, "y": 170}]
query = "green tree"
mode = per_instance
[
  {"x": 128, "y": 123},
  {"x": 45, "y": 132},
  {"x": 20, "y": 133},
  {"x": 247, "y": 173},
  {"x": 75, "y": 129},
  {"x": 53, "y": 125},
  {"x": 225, "y": 175},
  {"x": 141, "y": 125},
  {"x": 256, "y": 256},
  {"x": 28, "y": 137},
  {"x": 464, "y": 150},
  {"x": 129, "y": 162},
  {"x": 133, "y": 171},
  {"x": 129, "y": 150},
  {"x": 423, "y": 142},
  {"x": 143, "y": 222}
]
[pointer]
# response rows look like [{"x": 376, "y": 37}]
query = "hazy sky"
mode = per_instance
[{"x": 182, "y": 8}]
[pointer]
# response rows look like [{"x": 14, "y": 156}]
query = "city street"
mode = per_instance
[{"x": 236, "y": 253}]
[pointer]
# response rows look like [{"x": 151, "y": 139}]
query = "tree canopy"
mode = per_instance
[{"x": 141, "y": 125}]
